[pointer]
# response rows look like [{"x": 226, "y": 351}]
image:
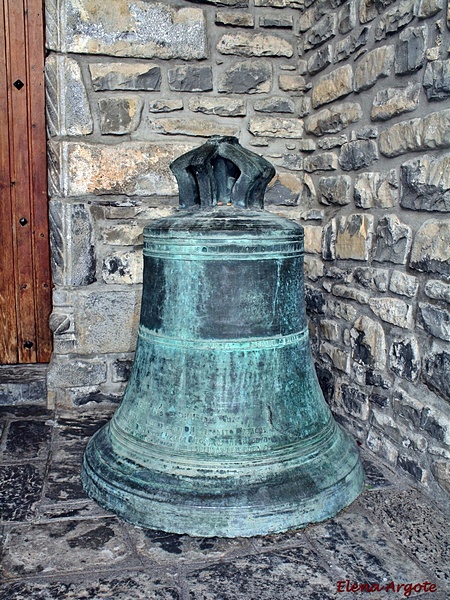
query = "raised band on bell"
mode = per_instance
[{"x": 223, "y": 429}]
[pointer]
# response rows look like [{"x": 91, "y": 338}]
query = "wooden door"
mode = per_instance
[{"x": 25, "y": 289}]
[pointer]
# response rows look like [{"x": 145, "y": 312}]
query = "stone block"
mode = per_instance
[
  {"x": 221, "y": 106},
  {"x": 392, "y": 102},
  {"x": 380, "y": 445},
  {"x": 347, "y": 17},
  {"x": 128, "y": 233},
  {"x": 436, "y": 372},
  {"x": 74, "y": 372},
  {"x": 292, "y": 83},
  {"x": 411, "y": 466},
  {"x": 325, "y": 161},
  {"x": 367, "y": 11},
  {"x": 404, "y": 358},
  {"x": 254, "y": 44},
  {"x": 376, "y": 190},
  {"x": 340, "y": 359},
  {"x": 125, "y": 76},
  {"x": 372, "y": 279},
  {"x": 72, "y": 244},
  {"x": 394, "y": 19},
  {"x": 314, "y": 269},
  {"x": 436, "y": 423},
  {"x": 426, "y": 183},
  {"x": 393, "y": 240},
  {"x": 430, "y": 251},
  {"x": 368, "y": 343},
  {"x": 330, "y": 330},
  {"x": 119, "y": 115},
  {"x": 441, "y": 470},
  {"x": 319, "y": 60},
  {"x": 329, "y": 240},
  {"x": 428, "y": 8},
  {"x": 322, "y": 31},
  {"x": 436, "y": 80},
  {"x": 139, "y": 29},
  {"x": 283, "y": 190},
  {"x": 278, "y": 104},
  {"x": 429, "y": 133},
  {"x": 106, "y": 320},
  {"x": 122, "y": 267},
  {"x": 276, "y": 127},
  {"x": 234, "y": 19},
  {"x": 329, "y": 143},
  {"x": 276, "y": 21},
  {"x": 313, "y": 238},
  {"x": 351, "y": 293},
  {"x": 392, "y": 310},
  {"x": 335, "y": 190},
  {"x": 358, "y": 154},
  {"x": 333, "y": 119},
  {"x": 67, "y": 105},
  {"x": 404, "y": 284},
  {"x": 132, "y": 168},
  {"x": 247, "y": 77},
  {"x": 410, "y": 50},
  {"x": 435, "y": 321},
  {"x": 349, "y": 45},
  {"x": 335, "y": 85},
  {"x": 354, "y": 236},
  {"x": 280, "y": 3},
  {"x": 121, "y": 369},
  {"x": 163, "y": 106},
  {"x": 354, "y": 401},
  {"x": 438, "y": 290},
  {"x": 377, "y": 63},
  {"x": 190, "y": 78},
  {"x": 307, "y": 20}
]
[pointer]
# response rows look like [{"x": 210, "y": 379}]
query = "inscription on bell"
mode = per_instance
[{"x": 223, "y": 429}]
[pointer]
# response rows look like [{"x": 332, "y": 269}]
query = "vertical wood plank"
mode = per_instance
[
  {"x": 20, "y": 173},
  {"x": 8, "y": 330},
  {"x": 34, "y": 23}
]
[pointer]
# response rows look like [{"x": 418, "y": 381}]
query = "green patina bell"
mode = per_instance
[{"x": 223, "y": 429}]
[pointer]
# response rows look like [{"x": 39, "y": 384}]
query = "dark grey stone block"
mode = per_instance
[
  {"x": 410, "y": 50},
  {"x": 190, "y": 78},
  {"x": 358, "y": 154},
  {"x": 436, "y": 373},
  {"x": 437, "y": 80}
]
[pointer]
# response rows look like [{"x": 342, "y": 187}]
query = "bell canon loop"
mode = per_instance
[{"x": 223, "y": 429}]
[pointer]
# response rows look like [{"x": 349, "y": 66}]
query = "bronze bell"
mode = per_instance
[{"x": 223, "y": 429}]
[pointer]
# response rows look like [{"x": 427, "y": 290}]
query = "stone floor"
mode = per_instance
[{"x": 57, "y": 544}]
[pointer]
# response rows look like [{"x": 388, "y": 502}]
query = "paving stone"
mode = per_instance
[
  {"x": 49, "y": 548},
  {"x": 247, "y": 77},
  {"x": 122, "y": 585},
  {"x": 379, "y": 558},
  {"x": 21, "y": 488},
  {"x": 125, "y": 76},
  {"x": 164, "y": 548},
  {"x": 405, "y": 515},
  {"x": 140, "y": 30},
  {"x": 28, "y": 440},
  {"x": 392, "y": 102},
  {"x": 276, "y": 574},
  {"x": 251, "y": 44}
]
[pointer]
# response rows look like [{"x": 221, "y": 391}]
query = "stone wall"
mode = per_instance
[{"x": 350, "y": 101}]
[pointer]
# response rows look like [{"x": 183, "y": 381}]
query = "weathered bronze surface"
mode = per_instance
[{"x": 223, "y": 430}]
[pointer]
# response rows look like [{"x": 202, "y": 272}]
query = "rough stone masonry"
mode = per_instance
[{"x": 351, "y": 102}]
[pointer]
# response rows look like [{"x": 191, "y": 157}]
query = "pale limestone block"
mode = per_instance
[
  {"x": 354, "y": 236},
  {"x": 335, "y": 85},
  {"x": 393, "y": 310}
]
